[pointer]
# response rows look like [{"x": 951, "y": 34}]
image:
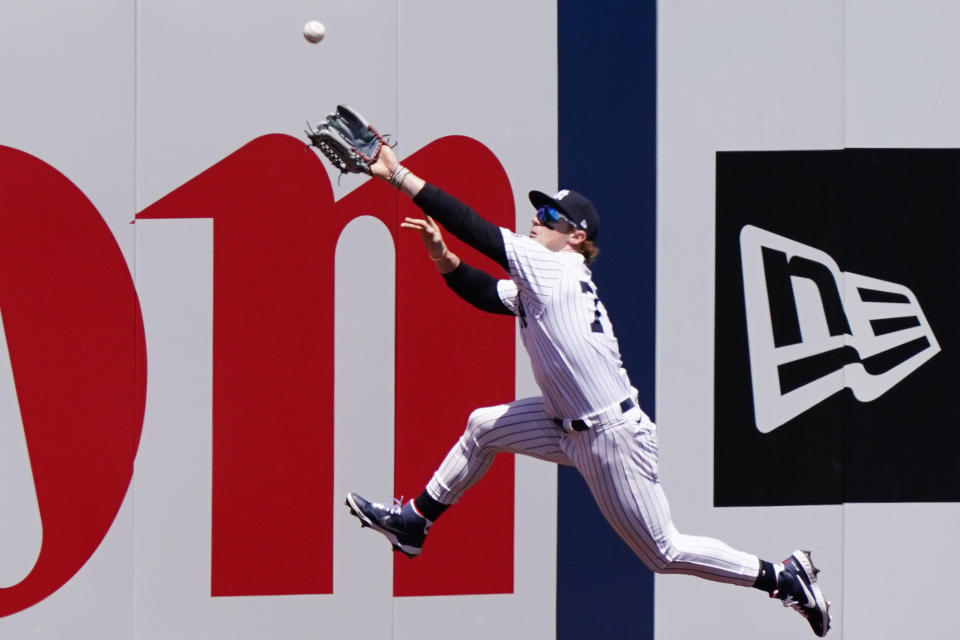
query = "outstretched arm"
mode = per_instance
[
  {"x": 473, "y": 285},
  {"x": 458, "y": 218}
]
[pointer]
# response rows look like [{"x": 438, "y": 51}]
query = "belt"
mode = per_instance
[{"x": 581, "y": 424}]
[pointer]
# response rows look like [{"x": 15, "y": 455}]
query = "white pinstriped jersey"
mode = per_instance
[{"x": 565, "y": 329}]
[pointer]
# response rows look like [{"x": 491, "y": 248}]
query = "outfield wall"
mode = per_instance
[
  {"x": 212, "y": 336},
  {"x": 273, "y": 361},
  {"x": 746, "y": 91}
]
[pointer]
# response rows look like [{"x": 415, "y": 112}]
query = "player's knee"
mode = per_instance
[
  {"x": 479, "y": 424},
  {"x": 676, "y": 554},
  {"x": 666, "y": 555}
]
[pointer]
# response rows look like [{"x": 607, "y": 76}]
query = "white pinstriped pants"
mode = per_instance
[{"x": 618, "y": 460}]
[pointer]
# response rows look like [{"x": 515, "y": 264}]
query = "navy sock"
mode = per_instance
[
  {"x": 767, "y": 578},
  {"x": 428, "y": 507}
]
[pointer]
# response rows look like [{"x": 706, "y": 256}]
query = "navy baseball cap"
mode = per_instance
[{"x": 573, "y": 205}]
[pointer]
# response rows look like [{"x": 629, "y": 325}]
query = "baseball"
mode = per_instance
[{"x": 314, "y": 31}]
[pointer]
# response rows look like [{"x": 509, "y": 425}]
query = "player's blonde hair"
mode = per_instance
[{"x": 588, "y": 250}]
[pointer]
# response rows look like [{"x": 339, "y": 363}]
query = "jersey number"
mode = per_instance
[{"x": 596, "y": 326}]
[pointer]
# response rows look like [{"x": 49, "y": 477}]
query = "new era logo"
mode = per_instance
[{"x": 814, "y": 330}]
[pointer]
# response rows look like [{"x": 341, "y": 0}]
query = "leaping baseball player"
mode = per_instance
[{"x": 588, "y": 416}]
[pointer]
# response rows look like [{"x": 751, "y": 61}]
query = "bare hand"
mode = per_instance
[{"x": 429, "y": 233}]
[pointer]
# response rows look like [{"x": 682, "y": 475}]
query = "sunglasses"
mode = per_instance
[{"x": 548, "y": 217}]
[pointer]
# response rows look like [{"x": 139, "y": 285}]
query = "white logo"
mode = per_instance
[
  {"x": 563, "y": 193},
  {"x": 813, "y": 329}
]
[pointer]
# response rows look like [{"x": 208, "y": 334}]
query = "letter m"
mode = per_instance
[{"x": 275, "y": 229}]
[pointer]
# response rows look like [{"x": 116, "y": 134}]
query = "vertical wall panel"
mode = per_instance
[
  {"x": 607, "y": 86},
  {"x": 211, "y": 78},
  {"x": 744, "y": 75},
  {"x": 901, "y": 92},
  {"x": 67, "y": 88},
  {"x": 487, "y": 70}
]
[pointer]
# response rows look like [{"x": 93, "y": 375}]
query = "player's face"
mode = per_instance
[{"x": 551, "y": 229}]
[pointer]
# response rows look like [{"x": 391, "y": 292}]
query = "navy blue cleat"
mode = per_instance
[
  {"x": 797, "y": 587},
  {"x": 401, "y": 524}
]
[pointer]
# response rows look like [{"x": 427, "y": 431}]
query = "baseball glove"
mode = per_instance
[{"x": 347, "y": 139}]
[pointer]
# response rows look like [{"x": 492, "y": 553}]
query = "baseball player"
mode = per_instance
[{"x": 588, "y": 415}]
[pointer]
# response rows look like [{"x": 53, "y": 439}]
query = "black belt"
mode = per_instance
[{"x": 581, "y": 425}]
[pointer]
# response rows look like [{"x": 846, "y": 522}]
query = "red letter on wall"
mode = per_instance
[
  {"x": 77, "y": 351},
  {"x": 275, "y": 233}
]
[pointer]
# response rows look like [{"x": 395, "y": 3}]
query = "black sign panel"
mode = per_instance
[{"x": 837, "y": 376}]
